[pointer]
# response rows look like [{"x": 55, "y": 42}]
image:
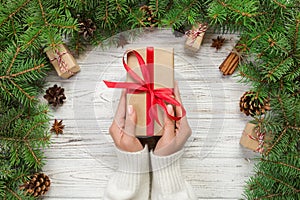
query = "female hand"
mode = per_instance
[
  {"x": 122, "y": 129},
  {"x": 174, "y": 135}
]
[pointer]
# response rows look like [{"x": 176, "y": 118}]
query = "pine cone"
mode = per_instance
[
  {"x": 55, "y": 95},
  {"x": 87, "y": 28},
  {"x": 148, "y": 16},
  {"x": 38, "y": 185},
  {"x": 250, "y": 104}
]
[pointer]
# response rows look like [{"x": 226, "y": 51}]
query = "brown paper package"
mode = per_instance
[
  {"x": 245, "y": 140},
  {"x": 249, "y": 143},
  {"x": 163, "y": 78},
  {"x": 194, "y": 45},
  {"x": 72, "y": 65}
]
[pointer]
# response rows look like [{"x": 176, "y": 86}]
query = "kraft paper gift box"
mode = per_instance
[
  {"x": 253, "y": 139},
  {"x": 193, "y": 43},
  {"x": 63, "y": 61},
  {"x": 163, "y": 77}
]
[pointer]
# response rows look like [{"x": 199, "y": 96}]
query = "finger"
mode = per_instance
[
  {"x": 121, "y": 111},
  {"x": 169, "y": 126},
  {"x": 178, "y": 109},
  {"x": 177, "y": 92},
  {"x": 130, "y": 121},
  {"x": 119, "y": 119},
  {"x": 115, "y": 132},
  {"x": 178, "y": 98}
]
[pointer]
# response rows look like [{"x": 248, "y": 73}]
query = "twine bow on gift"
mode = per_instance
[
  {"x": 145, "y": 84},
  {"x": 195, "y": 33},
  {"x": 63, "y": 66},
  {"x": 259, "y": 138}
]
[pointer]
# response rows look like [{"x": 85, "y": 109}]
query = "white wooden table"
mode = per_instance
[{"x": 81, "y": 161}]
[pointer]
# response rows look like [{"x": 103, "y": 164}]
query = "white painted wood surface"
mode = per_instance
[{"x": 81, "y": 161}]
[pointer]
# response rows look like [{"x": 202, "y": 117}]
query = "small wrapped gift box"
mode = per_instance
[
  {"x": 253, "y": 139},
  {"x": 149, "y": 84},
  {"x": 63, "y": 61},
  {"x": 195, "y": 37}
]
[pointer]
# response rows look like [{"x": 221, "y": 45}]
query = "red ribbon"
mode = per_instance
[
  {"x": 63, "y": 66},
  {"x": 145, "y": 84}
]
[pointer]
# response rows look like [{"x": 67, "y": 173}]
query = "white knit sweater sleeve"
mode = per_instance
[
  {"x": 131, "y": 180},
  {"x": 168, "y": 182}
]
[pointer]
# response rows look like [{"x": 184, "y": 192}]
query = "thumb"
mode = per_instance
[{"x": 130, "y": 121}]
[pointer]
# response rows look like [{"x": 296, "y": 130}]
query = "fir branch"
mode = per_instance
[
  {"x": 13, "y": 26},
  {"x": 271, "y": 72},
  {"x": 63, "y": 27},
  {"x": 296, "y": 36},
  {"x": 261, "y": 186},
  {"x": 13, "y": 139},
  {"x": 13, "y": 193},
  {"x": 279, "y": 181},
  {"x": 32, "y": 128},
  {"x": 280, "y": 163},
  {"x": 6, "y": 90},
  {"x": 13, "y": 60},
  {"x": 280, "y": 4},
  {"x": 269, "y": 196},
  {"x": 33, "y": 38},
  {"x": 252, "y": 78},
  {"x": 276, "y": 142},
  {"x": 15, "y": 12},
  {"x": 183, "y": 11},
  {"x": 294, "y": 127},
  {"x": 106, "y": 16},
  {"x": 140, "y": 20},
  {"x": 22, "y": 72},
  {"x": 37, "y": 160},
  {"x": 10, "y": 121},
  {"x": 43, "y": 13},
  {"x": 283, "y": 110},
  {"x": 21, "y": 89},
  {"x": 238, "y": 11},
  {"x": 266, "y": 31}
]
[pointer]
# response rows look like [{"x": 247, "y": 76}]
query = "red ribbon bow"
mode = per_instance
[{"x": 155, "y": 97}]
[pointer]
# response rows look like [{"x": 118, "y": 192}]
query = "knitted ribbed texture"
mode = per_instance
[
  {"x": 168, "y": 182},
  {"x": 133, "y": 162},
  {"x": 131, "y": 181}
]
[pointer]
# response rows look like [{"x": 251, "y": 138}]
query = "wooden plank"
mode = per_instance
[{"x": 208, "y": 177}]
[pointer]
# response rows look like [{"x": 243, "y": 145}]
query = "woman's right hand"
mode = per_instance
[{"x": 176, "y": 134}]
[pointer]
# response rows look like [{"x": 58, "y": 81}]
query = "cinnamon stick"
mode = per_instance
[
  {"x": 232, "y": 65},
  {"x": 223, "y": 67}
]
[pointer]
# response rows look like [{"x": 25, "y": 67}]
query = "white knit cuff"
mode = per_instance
[
  {"x": 166, "y": 172},
  {"x": 133, "y": 162}
]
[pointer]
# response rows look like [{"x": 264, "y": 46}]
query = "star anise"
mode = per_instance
[
  {"x": 217, "y": 43},
  {"x": 57, "y": 127}
]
